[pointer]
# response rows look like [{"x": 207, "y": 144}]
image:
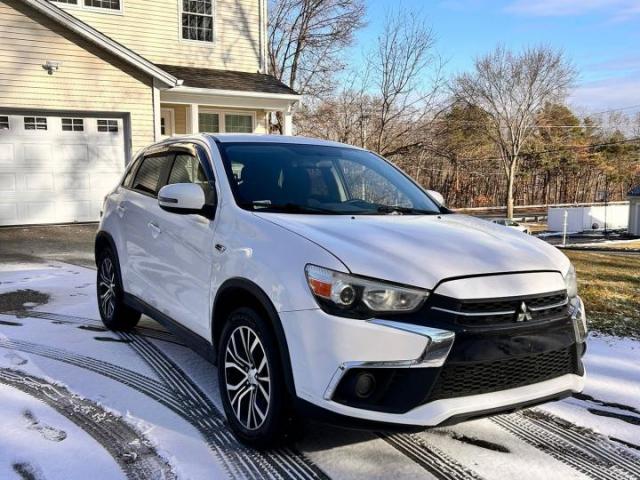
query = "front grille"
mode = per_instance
[
  {"x": 462, "y": 379},
  {"x": 473, "y": 313}
]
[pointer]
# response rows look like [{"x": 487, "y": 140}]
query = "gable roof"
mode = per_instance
[
  {"x": 91, "y": 34},
  {"x": 228, "y": 80},
  {"x": 634, "y": 192}
]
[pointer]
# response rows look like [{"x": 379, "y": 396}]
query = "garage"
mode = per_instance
[{"x": 57, "y": 168}]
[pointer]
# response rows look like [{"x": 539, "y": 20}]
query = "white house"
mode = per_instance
[{"x": 85, "y": 83}]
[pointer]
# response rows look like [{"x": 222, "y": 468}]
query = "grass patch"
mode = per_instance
[
  {"x": 609, "y": 284},
  {"x": 624, "y": 245}
]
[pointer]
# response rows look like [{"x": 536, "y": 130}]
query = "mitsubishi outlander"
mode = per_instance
[{"x": 322, "y": 280}]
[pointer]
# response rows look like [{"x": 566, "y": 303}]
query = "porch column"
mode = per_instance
[
  {"x": 157, "y": 133},
  {"x": 288, "y": 121},
  {"x": 193, "y": 119}
]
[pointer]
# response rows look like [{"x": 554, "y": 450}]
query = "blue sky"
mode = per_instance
[{"x": 601, "y": 37}]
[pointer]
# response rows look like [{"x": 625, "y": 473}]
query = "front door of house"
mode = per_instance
[{"x": 167, "y": 122}]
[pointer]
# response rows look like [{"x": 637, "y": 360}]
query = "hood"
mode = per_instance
[{"x": 423, "y": 250}]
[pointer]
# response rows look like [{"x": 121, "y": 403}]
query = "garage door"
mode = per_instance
[{"x": 56, "y": 169}]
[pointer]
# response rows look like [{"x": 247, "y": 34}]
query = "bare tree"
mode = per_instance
[
  {"x": 306, "y": 38},
  {"x": 512, "y": 88},
  {"x": 405, "y": 73}
]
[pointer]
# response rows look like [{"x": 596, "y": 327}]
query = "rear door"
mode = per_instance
[{"x": 141, "y": 218}]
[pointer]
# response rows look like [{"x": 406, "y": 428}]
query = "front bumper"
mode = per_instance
[{"x": 325, "y": 348}]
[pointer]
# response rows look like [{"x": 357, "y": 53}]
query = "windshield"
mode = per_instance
[{"x": 316, "y": 179}]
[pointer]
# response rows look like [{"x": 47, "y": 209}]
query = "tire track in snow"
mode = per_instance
[
  {"x": 132, "y": 452},
  {"x": 278, "y": 463},
  {"x": 592, "y": 455},
  {"x": 184, "y": 397},
  {"x": 598, "y": 445},
  {"x": 429, "y": 457},
  {"x": 134, "y": 380},
  {"x": 73, "y": 320}
]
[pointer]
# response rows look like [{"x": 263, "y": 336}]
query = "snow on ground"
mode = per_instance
[{"x": 152, "y": 404}]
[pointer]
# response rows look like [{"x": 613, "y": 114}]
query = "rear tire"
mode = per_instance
[
  {"x": 114, "y": 313},
  {"x": 251, "y": 381}
]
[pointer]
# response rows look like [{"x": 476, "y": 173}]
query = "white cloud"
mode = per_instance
[
  {"x": 607, "y": 94},
  {"x": 616, "y": 9}
]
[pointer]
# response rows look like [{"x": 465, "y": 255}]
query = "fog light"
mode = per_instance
[{"x": 365, "y": 385}]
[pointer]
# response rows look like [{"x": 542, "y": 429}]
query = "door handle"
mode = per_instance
[
  {"x": 155, "y": 229},
  {"x": 120, "y": 209}
]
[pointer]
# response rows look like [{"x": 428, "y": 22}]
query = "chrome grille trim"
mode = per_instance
[
  {"x": 549, "y": 307},
  {"x": 476, "y": 314}
]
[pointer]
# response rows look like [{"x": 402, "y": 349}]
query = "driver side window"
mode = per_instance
[{"x": 187, "y": 169}]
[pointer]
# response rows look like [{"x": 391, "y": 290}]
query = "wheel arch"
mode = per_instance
[
  {"x": 240, "y": 292},
  {"x": 105, "y": 240}
]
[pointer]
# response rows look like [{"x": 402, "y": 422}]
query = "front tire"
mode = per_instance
[
  {"x": 251, "y": 381},
  {"x": 113, "y": 311}
]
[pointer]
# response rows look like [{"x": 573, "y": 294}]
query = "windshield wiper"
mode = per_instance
[
  {"x": 288, "y": 208},
  {"x": 404, "y": 210}
]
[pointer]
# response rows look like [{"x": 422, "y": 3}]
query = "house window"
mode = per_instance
[
  {"x": 110, "y": 126},
  {"x": 35, "y": 123},
  {"x": 209, "y": 122},
  {"x": 163, "y": 126},
  {"x": 72, "y": 125},
  {"x": 108, "y": 4},
  {"x": 235, "y": 123},
  {"x": 4, "y": 123},
  {"x": 197, "y": 20}
]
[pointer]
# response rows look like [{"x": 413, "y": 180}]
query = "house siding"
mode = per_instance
[
  {"x": 152, "y": 29},
  {"x": 89, "y": 79}
]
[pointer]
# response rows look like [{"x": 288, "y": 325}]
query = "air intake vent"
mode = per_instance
[{"x": 458, "y": 380}]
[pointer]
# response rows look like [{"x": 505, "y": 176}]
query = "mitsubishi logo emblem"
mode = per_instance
[{"x": 523, "y": 315}]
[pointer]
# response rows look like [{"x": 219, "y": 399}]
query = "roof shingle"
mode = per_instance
[{"x": 228, "y": 80}]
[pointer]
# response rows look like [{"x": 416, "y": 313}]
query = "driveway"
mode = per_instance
[{"x": 66, "y": 243}]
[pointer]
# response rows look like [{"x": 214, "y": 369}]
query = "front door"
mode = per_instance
[
  {"x": 167, "y": 122},
  {"x": 184, "y": 253}
]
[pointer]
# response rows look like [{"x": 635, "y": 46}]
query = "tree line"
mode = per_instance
[{"x": 499, "y": 134}]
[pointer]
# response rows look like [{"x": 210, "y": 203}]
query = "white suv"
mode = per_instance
[{"x": 322, "y": 280}]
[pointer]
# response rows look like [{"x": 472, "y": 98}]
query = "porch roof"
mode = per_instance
[{"x": 208, "y": 78}]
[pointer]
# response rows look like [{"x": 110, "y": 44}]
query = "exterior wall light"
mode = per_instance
[{"x": 51, "y": 67}]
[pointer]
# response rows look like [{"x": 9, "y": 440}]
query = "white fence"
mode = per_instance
[{"x": 581, "y": 219}]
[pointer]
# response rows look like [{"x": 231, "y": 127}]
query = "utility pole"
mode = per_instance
[{"x": 606, "y": 202}]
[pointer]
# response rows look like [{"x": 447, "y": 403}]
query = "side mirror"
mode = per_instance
[
  {"x": 182, "y": 198},
  {"x": 436, "y": 196}
]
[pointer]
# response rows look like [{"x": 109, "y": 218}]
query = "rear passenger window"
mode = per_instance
[
  {"x": 148, "y": 175},
  {"x": 128, "y": 178}
]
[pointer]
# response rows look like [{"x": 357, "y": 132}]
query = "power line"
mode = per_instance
[
  {"x": 630, "y": 107},
  {"x": 562, "y": 149}
]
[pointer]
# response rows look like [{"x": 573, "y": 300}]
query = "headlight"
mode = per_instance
[
  {"x": 347, "y": 295},
  {"x": 571, "y": 282}
]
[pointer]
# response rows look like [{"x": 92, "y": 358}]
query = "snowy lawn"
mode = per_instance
[{"x": 78, "y": 402}]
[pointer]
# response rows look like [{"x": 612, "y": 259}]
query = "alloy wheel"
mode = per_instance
[
  {"x": 247, "y": 379},
  {"x": 106, "y": 287}
]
